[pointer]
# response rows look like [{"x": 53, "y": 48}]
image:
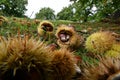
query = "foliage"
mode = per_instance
[
  {"x": 104, "y": 9},
  {"x": 66, "y": 14},
  {"x": 13, "y": 7},
  {"x": 45, "y": 13}
]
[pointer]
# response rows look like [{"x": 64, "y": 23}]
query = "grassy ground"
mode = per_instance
[{"x": 15, "y": 26}]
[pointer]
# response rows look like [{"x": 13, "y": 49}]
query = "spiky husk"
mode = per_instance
[
  {"x": 113, "y": 53},
  {"x": 100, "y": 42},
  {"x": 75, "y": 40},
  {"x": 29, "y": 59},
  {"x": 20, "y": 58},
  {"x": 3, "y": 19},
  {"x": 45, "y": 34},
  {"x": 40, "y": 30},
  {"x": 63, "y": 65},
  {"x": 106, "y": 69},
  {"x": 116, "y": 47}
]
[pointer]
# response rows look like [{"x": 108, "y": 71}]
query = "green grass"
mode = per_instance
[
  {"x": 12, "y": 25},
  {"x": 28, "y": 26}
]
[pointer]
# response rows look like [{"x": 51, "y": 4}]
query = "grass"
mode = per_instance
[{"x": 29, "y": 26}]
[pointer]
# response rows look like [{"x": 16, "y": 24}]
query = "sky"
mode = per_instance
[{"x": 35, "y": 5}]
